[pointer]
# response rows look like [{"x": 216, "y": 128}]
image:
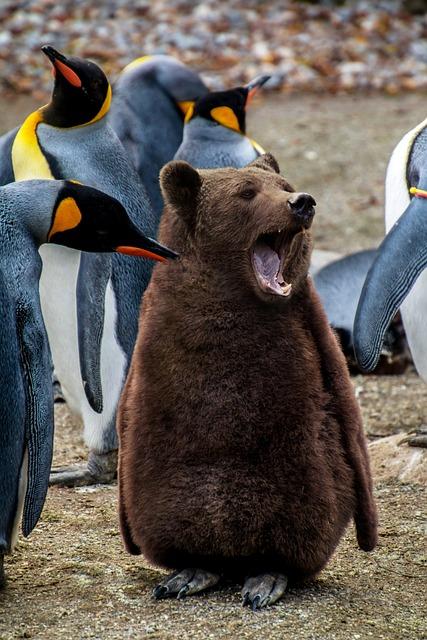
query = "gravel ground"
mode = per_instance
[
  {"x": 306, "y": 47},
  {"x": 72, "y": 579}
]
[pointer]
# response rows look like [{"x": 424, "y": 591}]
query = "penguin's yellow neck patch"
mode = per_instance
[
  {"x": 28, "y": 161},
  {"x": 67, "y": 216},
  {"x": 185, "y": 106},
  {"x": 189, "y": 113},
  {"x": 226, "y": 117},
  {"x": 104, "y": 109},
  {"x": 257, "y": 147},
  {"x": 136, "y": 63}
]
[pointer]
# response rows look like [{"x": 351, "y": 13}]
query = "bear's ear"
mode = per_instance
[
  {"x": 180, "y": 185},
  {"x": 267, "y": 162}
]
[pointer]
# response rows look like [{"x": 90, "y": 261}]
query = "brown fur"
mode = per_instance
[{"x": 241, "y": 442}]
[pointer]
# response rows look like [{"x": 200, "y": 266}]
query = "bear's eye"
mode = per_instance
[{"x": 248, "y": 194}]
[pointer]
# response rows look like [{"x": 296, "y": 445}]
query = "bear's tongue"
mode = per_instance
[{"x": 268, "y": 264}]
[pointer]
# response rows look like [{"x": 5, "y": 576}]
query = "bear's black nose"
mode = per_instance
[{"x": 302, "y": 205}]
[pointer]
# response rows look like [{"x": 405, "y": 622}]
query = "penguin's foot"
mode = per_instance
[
  {"x": 261, "y": 591},
  {"x": 101, "y": 468},
  {"x": 58, "y": 396},
  {"x": 417, "y": 438},
  {"x": 2, "y": 573},
  {"x": 184, "y": 583}
]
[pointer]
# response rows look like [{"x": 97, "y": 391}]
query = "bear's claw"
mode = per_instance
[
  {"x": 184, "y": 583},
  {"x": 261, "y": 591}
]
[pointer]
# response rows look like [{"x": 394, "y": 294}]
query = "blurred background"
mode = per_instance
[
  {"x": 306, "y": 46},
  {"x": 348, "y": 79}
]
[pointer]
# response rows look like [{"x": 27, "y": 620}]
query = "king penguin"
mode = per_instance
[
  {"x": 397, "y": 278},
  {"x": 31, "y": 213},
  {"x": 151, "y": 97},
  {"x": 215, "y": 129},
  {"x": 92, "y": 300}
]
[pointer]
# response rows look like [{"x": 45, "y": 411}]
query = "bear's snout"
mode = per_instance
[{"x": 302, "y": 206}]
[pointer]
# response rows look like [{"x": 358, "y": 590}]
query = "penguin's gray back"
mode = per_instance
[
  {"x": 339, "y": 285},
  {"x": 150, "y": 130},
  {"x": 207, "y": 145}
]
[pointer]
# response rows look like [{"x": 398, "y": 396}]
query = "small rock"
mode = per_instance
[{"x": 392, "y": 459}]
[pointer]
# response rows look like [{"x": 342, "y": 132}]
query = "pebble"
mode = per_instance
[{"x": 306, "y": 48}]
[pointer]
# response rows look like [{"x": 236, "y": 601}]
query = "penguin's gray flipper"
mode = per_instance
[
  {"x": 401, "y": 258},
  {"x": 100, "y": 469},
  {"x": 37, "y": 366},
  {"x": 94, "y": 274}
]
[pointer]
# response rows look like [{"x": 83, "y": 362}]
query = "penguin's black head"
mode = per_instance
[
  {"x": 89, "y": 220},
  {"x": 227, "y": 108},
  {"x": 81, "y": 93}
]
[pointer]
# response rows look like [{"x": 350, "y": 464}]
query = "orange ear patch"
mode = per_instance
[
  {"x": 68, "y": 74},
  {"x": 67, "y": 216},
  {"x": 226, "y": 117}
]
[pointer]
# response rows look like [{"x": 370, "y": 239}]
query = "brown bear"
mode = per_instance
[{"x": 242, "y": 450}]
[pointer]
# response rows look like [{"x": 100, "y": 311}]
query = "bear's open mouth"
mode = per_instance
[{"x": 268, "y": 259}]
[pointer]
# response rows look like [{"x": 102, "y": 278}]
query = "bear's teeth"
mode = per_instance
[{"x": 286, "y": 288}]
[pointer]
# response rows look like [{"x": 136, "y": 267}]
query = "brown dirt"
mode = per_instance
[{"x": 72, "y": 579}]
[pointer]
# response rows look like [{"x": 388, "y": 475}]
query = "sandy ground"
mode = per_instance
[{"x": 72, "y": 579}]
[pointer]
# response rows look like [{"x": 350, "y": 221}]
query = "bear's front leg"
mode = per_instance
[
  {"x": 262, "y": 590},
  {"x": 185, "y": 583}
]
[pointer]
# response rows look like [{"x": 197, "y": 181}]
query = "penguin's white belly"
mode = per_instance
[
  {"x": 414, "y": 307},
  {"x": 59, "y": 307},
  {"x": 22, "y": 490},
  {"x": 414, "y": 316}
]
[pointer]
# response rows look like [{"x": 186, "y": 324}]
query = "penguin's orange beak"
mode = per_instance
[
  {"x": 142, "y": 253},
  {"x": 61, "y": 64},
  {"x": 148, "y": 248}
]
